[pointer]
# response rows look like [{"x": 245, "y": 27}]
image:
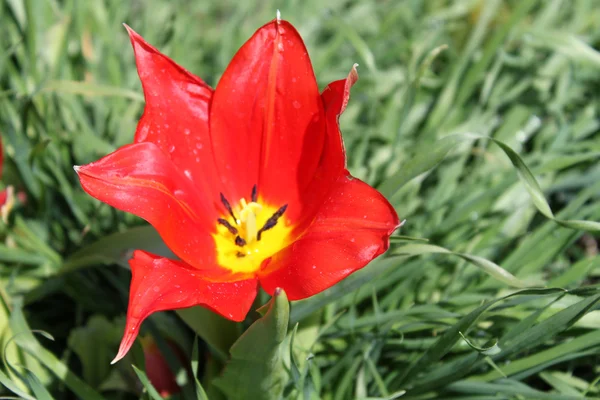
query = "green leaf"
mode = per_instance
[
  {"x": 452, "y": 335},
  {"x": 535, "y": 191},
  {"x": 12, "y": 386},
  {"x": 95, "y": 359},
  {"x": 200, "y": 393},
  {"x": 218, "y": 332},
  {"x": 549, "y": 327},
  {"x": 424, "y": 160},
  {"x": 152, "y": 392},
  {"x": 41, "y": 393},
  {"x": 488, "y": 351},
  {"x": 90, "y": 89},
  {"x": 256, "y": 370},
  {"x": 116, "y": 248},
  {"x": 487, "y": 266},
  {"x": 304, "y": 308},
  {"x": 25, "y": 339}
]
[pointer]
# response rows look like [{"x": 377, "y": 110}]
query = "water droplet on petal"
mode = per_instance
[{"x": 296, "y": 104}]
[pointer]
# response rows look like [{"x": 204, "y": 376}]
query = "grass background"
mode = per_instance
[{"x": 437, "y": 77}]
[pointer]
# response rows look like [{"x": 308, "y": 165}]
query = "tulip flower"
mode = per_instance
[
  {"x": 247, "y": 183},
  {"x": 157, "y": 369},
  {"x": 8, "y": 198}
]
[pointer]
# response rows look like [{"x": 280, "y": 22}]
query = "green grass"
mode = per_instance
[{"x": 488, "y": 146}]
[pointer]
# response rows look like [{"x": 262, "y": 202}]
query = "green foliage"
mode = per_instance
[
  {"x": 256, "y": 369},
  {"x": 478, "y": 119}
]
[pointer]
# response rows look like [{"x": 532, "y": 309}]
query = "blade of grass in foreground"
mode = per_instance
[
  {"x": 25, "y": 339},
  {"x": 451, "y": 336}
]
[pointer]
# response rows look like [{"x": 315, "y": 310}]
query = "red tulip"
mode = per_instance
[
  {"x": 7, "y": 195},
  {"x": 157, "y": 369},
  {"x": 246, "y": 183}
]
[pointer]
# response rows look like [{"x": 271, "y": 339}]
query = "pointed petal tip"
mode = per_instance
[
  {"x": 77, "y": 168},
  {"x": 353, "y": 75},
  {"x": 129, "y": 30},
  {"x": 278, "y": 16},
  {"x": 126, "y": 343},
  {"x": 118, "y": 357},
  {"x": 133, "y": 35}
]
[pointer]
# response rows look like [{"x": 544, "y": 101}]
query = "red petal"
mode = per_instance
[
  {"x": 159, "y": 284},
  {"x": 176, "y": 114},
  {"x": 335, "y": 97},
  {"x": 157, "y": 368},
  {"x": 267, "y": 119},
  {"x": 140, "y": 179},
  {"x": 351, "y": 228}
]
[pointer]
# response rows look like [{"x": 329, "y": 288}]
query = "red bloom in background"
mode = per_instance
[
  {"x": 7, "y": 195},
  {"x": 157, "y": 369},
  {"x": 246, "y": 184}
]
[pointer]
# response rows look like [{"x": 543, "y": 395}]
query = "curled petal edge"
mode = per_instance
[{"x": 159, "y": 284}]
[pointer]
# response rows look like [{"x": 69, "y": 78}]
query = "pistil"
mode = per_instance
[
  {"x": 245, "y": 227},
  {"x": 248, "y": 219}
]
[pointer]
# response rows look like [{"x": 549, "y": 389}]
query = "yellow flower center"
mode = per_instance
[{"x": 250, "y": 233}]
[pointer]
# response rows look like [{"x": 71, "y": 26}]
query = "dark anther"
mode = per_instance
[
  {"x": 254, "y": 194},
  {"x": 239, "y": 254},
  {"x": 227, "y": 225},
  {"x": 272, "y": 221},
  {"x": 227, "y": 206},
  {"x": 239, "y": 241}
]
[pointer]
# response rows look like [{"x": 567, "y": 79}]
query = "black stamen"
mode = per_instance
[
  {"x": 254, "y": 194},
  {"x": 239, "y": 254},
  {"x": 227, "y": 225},
  {"x": 239, "y": 241},
  {"x": 227, "y": 206},
  {"x": 272, "y": 221}
]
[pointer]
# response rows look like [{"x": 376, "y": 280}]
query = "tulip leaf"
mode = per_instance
[
  {"x": 200, "y": 393},
  {"x": 426, "y": 160},
  {"x": 449, "y": 338},
  {"x": 95, "y": 360},
  {"x": 490, "y": 350},
  {"x": 116, "y": 248},
  {"x": 152, "y": 392},
  {"x": 38, "y": 389},
  {"x": 218, "y": 332},
  {"x": 486, "y": 265},
  {"x": 26, "y": 341},
  {"x": 256, "y": 369}
]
